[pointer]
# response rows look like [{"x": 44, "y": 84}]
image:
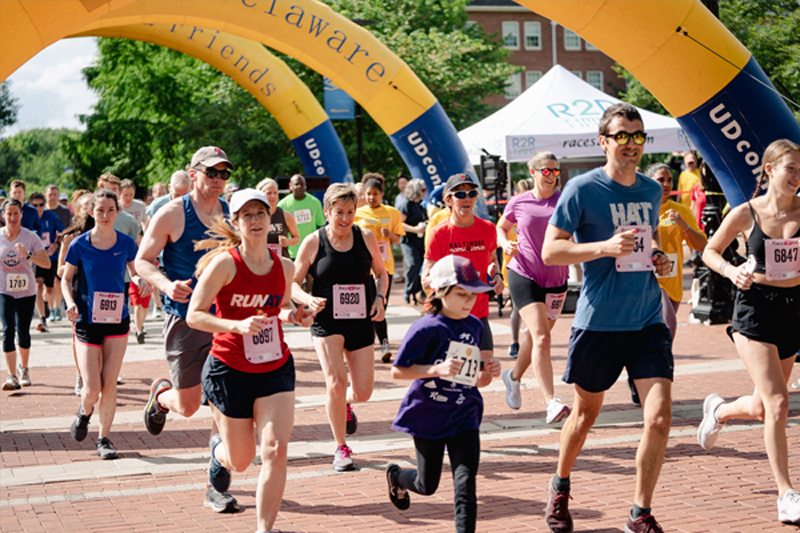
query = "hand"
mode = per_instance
[
  {"x": 250, "y": 326},
  {"x": 661, "y": 262},
  {"x": 511, "y": 248},
  {"x": 448, "y": 368},
  {"x": 675, "y": 217},
  {"x": 492, "y": 367},
  {"x": 497, "y": 283},
  {"x": 52, "y": 249},
  {"x": 20, "y": 249},
  {"x": 145, "y": 289},
  {"x": 385, "y": 232},
  {"x": 282, "y": 240},
  {"x": 620, "y": 244},
  {"x": 304, "y": 316},
  {"x": 317, "y": 304},
  {"x": 377, "y": 311},
  {"x": 421, "y": 228},
  {"x": 180, "y": 291},
  {"x": 72, "y": 312},
  {"x": 739, "y": 276}
]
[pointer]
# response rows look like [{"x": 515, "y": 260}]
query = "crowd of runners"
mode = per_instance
[{"x": 232, "y": 271}]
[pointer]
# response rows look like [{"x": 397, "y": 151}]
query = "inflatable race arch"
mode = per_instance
[
  {"x": 723, "y": 99},
  {"x": 264, "y": 76}
]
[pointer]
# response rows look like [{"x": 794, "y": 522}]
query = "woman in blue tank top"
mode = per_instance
[{"x": 766, "y": 311}]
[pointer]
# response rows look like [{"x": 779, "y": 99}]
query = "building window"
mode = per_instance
[
  {"x": 531, "y": 77},
  {"x": 511, "y": 35},
  {"x": 595, "y": 78},
  {"x": 472, "y": 23},
  {"x": 533, "y": 35},
  {"x": 590, "y": 47},
  {"x": 514, "y": 87},
  {"x": 572, "y": 40},
  {"x": 577, "y": 73}
]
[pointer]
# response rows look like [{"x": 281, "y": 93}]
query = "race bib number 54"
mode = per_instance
[{"x": 641, "y": 259}]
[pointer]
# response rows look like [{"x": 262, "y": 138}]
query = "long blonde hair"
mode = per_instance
[
  {"x": 222, "y": 237},
  {"x": 773, "y": 153}
]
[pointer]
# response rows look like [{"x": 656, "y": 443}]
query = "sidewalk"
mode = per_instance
[{"x": 50, "y": 483}]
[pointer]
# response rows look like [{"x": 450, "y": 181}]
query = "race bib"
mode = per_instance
[
  {"x": 349, "y": 301},
  {"x": 275, "y": 248},
  {"x": 46, "y": 239},
  {"x": 107, "y": 307},
  {"x": 673, "y": 267},
  {"x": 303, "y": 216},
  {"x": 471, "y": 356},
  {"x": 17, "y": 282},
  {"x": 783, "y": 258},
  {"x": 641, "y": 259},
  {"x": 265, "y": 346},
  {"x": 383, "y": 247},
  {"x": 553, "y": 304}
]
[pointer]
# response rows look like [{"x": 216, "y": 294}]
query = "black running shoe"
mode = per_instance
[
  {"x": 218, "y": 475},
  {"x": 80, "y": 426},
  {"x": 220, "y": 502},
  {"x": 398, "y": 496},
  {"x": 352, "y": 421},
  {"x": 155, "y": 416},
  {"x": 105, "y": 449}
]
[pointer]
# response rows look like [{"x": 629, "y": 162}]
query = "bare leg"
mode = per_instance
[
  {"x": 539, "y": 326},
  {"x": 111, "y": 363},
  {"x": 330, "y": 352},
  {"x": 11, "y": 362},
  {"x": 573, "y": 434},
  {"x": 275, "y": 419},
  {"x": 656, "y": 396}
]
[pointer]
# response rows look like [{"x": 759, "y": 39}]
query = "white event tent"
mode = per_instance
[{"x": 560, "y": 113}]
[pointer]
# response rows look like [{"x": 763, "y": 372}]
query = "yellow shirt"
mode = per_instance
[
  {"x": 374, "y": 220},
  {"x": 437, "y": 218},
  {"x": 672, "y": 237},
  {"x": 512, "y": 236},
  {"x": 686, "y": 181}
]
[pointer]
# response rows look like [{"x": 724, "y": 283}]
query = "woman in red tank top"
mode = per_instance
[{"x": 249, "y": 378}]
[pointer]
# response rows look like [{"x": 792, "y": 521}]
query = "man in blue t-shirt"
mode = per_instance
[
  {"x": 612, "y": 213},
  {"x": 50, "y": 230},
  {"x": 30, "y": 218}
]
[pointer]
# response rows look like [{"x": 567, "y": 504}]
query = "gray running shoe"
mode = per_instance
[
  {"x": 220, "y": 502},
  {"x": 105, "y": 449},
  {"x": 513, "y": 392},
  {"x": 218, "y": 475},
  {"x": 24, "y": 376}
]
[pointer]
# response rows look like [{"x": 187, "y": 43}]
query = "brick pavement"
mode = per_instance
[{"x": 50, "y": 483}]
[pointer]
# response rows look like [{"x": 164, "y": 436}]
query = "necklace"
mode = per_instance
[{"x": 780, "y": 214}]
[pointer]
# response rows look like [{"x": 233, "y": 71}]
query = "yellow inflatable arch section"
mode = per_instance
[
  {"x": 304, "y": 29},
  {"x": 697, "y": 69},
  {"x": 264, "y": 76}
]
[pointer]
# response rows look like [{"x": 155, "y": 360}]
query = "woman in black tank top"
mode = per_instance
[
  {"x": 283, "y": 228},
  {"x": 766, "y": 311},
  {"x": 346, "y": 302}
]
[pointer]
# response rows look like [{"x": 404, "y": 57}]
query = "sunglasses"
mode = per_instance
[
  {"x": 639, "y": 137},
  {"x": 556, "y": 172},
  {"x": 213, "y": 173},
  {"x": 464, "y": 194},
  {"x": 37, "y": 205}
]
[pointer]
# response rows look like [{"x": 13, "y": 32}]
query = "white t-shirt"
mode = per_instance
[{"x": 136, "y": 209}]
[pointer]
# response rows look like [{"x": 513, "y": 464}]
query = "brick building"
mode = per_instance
[{"x": 536, "y": 43}]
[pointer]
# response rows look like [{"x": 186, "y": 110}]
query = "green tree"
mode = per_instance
[
  {"x": 35, "y": 156},
  {"x": 8, "y": 106}
]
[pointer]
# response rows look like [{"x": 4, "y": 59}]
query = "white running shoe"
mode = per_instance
[
  {"x": 342, "y": 460},
  {"x": 513, "y": 392},
  {"x": 789, "y": 507},
  {"x": 709, "y": 428},
  {"x": 24, "y": 376},
  {"x": 796, "y": 384},
  {"x": 556, "y": 411},
  {"x": 78, "y": 385}
]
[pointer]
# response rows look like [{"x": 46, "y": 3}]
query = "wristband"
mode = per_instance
[
  {"x": 28, "y": 256},
  {"x": 499, "y": 274},
  {"x": 722, "y": 268},
  {"x": 381, "y": 296}
]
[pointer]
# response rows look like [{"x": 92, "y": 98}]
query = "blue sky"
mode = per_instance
[{"x": 50, "y": 87}]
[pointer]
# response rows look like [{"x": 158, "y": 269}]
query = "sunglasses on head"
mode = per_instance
[
  {"x": 639, "y": 137},
  {"x": 464, "y": 194},
  {"x": 556, "y": 172},
  {"x": 213, "y": 173}
]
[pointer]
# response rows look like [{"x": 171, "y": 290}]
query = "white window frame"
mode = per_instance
[
  {"x": 514, "y": 86},
  {"x": 510, "y": 29},
  {"x": 577, "y": 73},
  {"x": 530, "y": 75},
  {"x": 570, "y": 38},
  {"x": 471, "y": 24},
  {"x": 532, "y": 28},
  {"x": 595, "y": 73},
  {"x": 590, "y": 47}
]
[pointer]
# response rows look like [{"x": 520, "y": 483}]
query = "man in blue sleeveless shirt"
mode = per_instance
[
  {"x": 612, "y": 213},
  {"x": 174, "y": 230}
]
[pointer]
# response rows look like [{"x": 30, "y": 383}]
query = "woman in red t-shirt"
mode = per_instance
[{"x": 249, "y": 378}]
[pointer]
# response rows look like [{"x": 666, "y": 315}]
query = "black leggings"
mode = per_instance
[
  {"x": 464, "y": 450},
  {"x": 381, "y": 328},
  {"x": 16, "y": 315}
]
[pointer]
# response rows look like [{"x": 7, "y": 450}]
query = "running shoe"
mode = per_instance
[
  {"x": 105, "y": 449},
  {"x": 634, "y": 392},
  {"x": 78, "y": 385},
  {"x": 556, "y": 411},
  {"x": 157, "y": 313},
  {"x": 80, "y": 426},
  {"x": 220, "y": 502},
  {"x": 140, "y": 337},
  {"x": 513, "y": 390},
  {"x": 386, "y": 352},
  {"x": 709, "y": 428},
  {"x": 644, "y": 524},
  {"x": 513, "y": 350},
  {"x": 12, "y": 383},
  {"x": 42, "y": 326},
  {"x": 789, "y": 507},
  {"x": 342, "y": 460},
  {"x": 24, "y": 376},
  {"x": 218, "y": 475},
  {"x": 398, "y": 496},
  {"x": 352, "y": 421},
  {"x": 155, "y": 416},
  {"x": 557, "y": 516},
  {"x": 796, "y": 384}
]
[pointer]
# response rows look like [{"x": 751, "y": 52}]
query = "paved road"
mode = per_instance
[{"x": 50, "y": 483}]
